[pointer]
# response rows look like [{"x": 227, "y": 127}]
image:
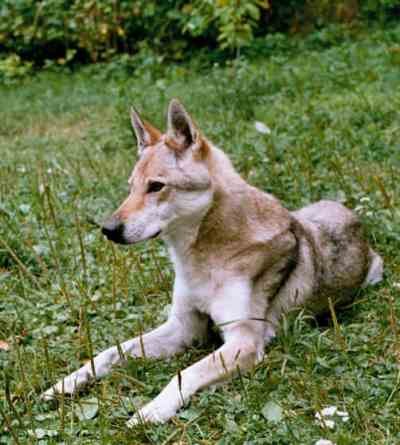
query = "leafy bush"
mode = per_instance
[
  {"x": 381, "y": 9},
  {"x": 95, "y": 30},
  {"x": 70, "y": 31},
  {"x": 90, "y": 30},
  {"x": 12, "y": 68},
  {"x": 234, "y": 19}
]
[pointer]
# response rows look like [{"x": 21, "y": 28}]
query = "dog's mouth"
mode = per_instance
[{"x": 117, "y": 236}]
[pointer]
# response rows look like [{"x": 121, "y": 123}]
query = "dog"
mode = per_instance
[{"x": 240, "y": 259}]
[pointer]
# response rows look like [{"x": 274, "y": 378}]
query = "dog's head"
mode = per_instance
[{"x": 170, "y": 186}]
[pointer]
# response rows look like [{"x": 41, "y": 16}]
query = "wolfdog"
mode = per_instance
[{"x": 240, "y": 259}]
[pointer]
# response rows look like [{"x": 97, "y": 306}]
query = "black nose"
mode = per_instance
[{"x": 114, "y": 231}]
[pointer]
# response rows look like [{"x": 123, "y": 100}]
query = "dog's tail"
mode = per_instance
[{"x": 375, "y": 270}]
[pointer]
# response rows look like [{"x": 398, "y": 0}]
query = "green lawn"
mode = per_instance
[{"x": 332, "y": 103}]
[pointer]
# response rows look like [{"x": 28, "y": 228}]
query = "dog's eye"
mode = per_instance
[{"x": 155, "y": 186}]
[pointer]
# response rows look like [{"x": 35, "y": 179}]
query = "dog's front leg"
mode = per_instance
[
  {"x": 244, "y": 347},
  {"x": 168, "y": 339}
]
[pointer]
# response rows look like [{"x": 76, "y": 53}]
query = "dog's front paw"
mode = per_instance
[
  {"x": 163, "y": 407},
  {"x": 153, "y": 412},
  {"x": 54, "y": 391},
  {"x": 48, "y": 395},
  {"x": 68, "y": 386}
]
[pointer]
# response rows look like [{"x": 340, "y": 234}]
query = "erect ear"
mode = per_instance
[
  {"x": 181, "y": 126},
  {"x": 145, "y": 133}
]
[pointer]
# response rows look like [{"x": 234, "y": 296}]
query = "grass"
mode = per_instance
[{"x": 332, "y": 105}]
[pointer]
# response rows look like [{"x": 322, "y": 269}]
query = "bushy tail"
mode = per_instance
[{"x": 375, "y": 271}]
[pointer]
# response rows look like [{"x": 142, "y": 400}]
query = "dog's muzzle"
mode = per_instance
[{"x": 113, "y": 229}]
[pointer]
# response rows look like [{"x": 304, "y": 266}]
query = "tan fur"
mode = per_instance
[{"x": 240, "y": 258}]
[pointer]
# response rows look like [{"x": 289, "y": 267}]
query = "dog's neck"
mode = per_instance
[{"x": 227, "y": 224}]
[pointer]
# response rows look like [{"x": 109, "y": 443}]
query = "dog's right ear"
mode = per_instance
[{"x": 145, "y": 133}]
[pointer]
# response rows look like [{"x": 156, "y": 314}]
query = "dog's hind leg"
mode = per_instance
[{"x": 168, "y": 339}]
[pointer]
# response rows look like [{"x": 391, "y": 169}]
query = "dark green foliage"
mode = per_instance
[
  {"x": 95, "y": 30},
  {"x": 67, "y": 32},
  {"x": 63, "y": 30},
  {"x": 384, "y": 10}
]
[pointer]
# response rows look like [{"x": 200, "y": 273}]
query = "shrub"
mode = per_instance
[
  {"x": 89, "y": 30},
  {"x": 381, "y": 9},
  {"x": 235, "y": 20},
  {"x": 70, "y": 31},
  {"x": 66, "y": 31},
  {"x": 12, "y": 68}
]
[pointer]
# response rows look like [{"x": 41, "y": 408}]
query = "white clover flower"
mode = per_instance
[
  {"x": 329, "y": 411},
  {"x": 262, "y": 128},
  {"x": 324, "y": 442},
  {"x": 324, "y": 417}
]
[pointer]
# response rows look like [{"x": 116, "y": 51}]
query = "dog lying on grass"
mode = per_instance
[{"x": 240, "y": 259}]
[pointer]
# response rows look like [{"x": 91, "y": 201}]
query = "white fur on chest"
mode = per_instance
[
  {"x": 224, "y": 297},
  {"x": 194, "y": 290}
]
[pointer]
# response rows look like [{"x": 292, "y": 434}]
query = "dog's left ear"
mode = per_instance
[{"x": 181, "y": 126}]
